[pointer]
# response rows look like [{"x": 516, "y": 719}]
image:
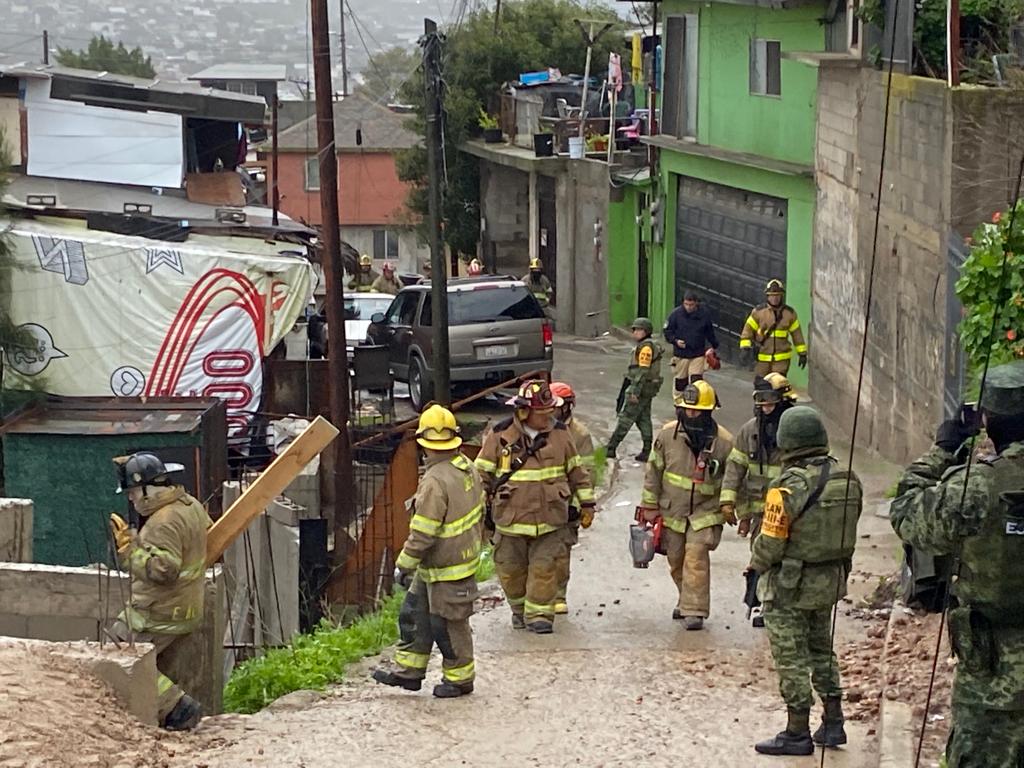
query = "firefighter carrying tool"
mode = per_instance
[{"x": 533, "y": 470}]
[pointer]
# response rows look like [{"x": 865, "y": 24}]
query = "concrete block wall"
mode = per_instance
[
  {"x": 505, "y": 213},
  {"x": 902, "y": 396}
]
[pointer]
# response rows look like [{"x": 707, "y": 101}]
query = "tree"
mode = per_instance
[
  {"x": 103, "y": 56},
  {"x": 387, "y": 71},
  {"x": 531, "y": 35},
  {"x": 983, "y": 292}
]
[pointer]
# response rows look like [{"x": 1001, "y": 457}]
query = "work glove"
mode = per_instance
[
  {"x": 802, "y": 360},
  {"x": 744, "y": 527},
  {"x": 123, "y": 535},
  {"x": 728, "y": 511},
  {"x": 587, "y": 516},
  {"x": 951, "y": 434},
  {"x": 403, "y": 578},
  {"x": 746, "y": 356},
  {"x": 651, "y": 514}
]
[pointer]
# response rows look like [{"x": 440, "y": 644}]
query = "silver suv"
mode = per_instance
[{"x": 496, "y": 331}]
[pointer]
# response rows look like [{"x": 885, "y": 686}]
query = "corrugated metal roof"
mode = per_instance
[
  {"x": 110, "y": 416},
  {"x": 275, "y": 72}
]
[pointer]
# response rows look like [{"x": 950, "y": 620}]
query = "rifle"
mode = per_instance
[
  {"x": 620, "y": 401},
  {"x": 500, "y": 480},
  {"x": 750, "y": 595}
]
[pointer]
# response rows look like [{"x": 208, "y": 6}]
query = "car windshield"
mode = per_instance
[
  {"x": 492, "y": 303},
  {"x": 363, "y": 307}
]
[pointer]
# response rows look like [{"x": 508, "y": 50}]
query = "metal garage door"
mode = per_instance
[{"x": 729, "y": 243}]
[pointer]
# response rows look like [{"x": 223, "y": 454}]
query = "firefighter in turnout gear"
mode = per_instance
[
  {"x": 943, "y": 508},
  {"x": 533, "y": 470},
  {"x": 769, "y": 328},
  {"x": 438, "y": 563},
  {"x": 756, "y": 460},
  {"x": 387, "y": 282},
  {"x": 804, "y": 555},
  {"x": 682, "y": 485},
  {"x": 167, "y": 563},
  {"x": 538, "y": 283},
  {"x": 475, "y": 268},
  {"x": 365, "y": 277},
  {"x": 585, "y": 448},
  {"x": 639, "y": 387}
]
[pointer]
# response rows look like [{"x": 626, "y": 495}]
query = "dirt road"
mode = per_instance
[{"x": 619, "y": 683}]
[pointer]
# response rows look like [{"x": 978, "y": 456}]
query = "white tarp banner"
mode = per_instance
[{"x": 133, "y": 317}]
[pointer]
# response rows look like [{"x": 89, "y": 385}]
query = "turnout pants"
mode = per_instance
[
  {"x": 530, "y": 569},
  {"x": 689, "y": 561},
  {"x": 572, "y": 538},
  {"x": 638, "y": 413},
  {"x": 168, "y": 694},
  {"x": 800, "y": 643},
  {"x": 437, "y": 614},
  {"x": 686, "y": 368},
  {"x": 764, "y": 367},
  {"x": 985, "y": 738}
]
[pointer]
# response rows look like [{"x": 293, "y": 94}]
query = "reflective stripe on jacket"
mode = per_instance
[{"x": 770, "y": 329}]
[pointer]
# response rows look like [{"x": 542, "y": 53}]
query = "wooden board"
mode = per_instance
[{"x": 268, "y": 486}]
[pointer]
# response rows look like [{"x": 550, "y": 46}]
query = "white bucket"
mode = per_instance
[{"x": 575, "y": 148}]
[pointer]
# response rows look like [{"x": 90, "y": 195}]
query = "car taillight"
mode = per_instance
[{"x": 549, "y": 336}]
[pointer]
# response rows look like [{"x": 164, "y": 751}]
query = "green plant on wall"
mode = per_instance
[
  {"x": 487, "y": 122},
  {"x": 983, "y": 293}
]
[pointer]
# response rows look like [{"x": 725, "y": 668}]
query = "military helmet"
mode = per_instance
[
  {"x": 644, "y": 324},
  {"x": 141, "y": 469},
  {"x": 774, "y": 286},
  {"x": 801, "y": 427},
  {"x": 698, "y": 395},
  {"x": 1004, "y": 390},
  {"x": 438, "y": 429}
]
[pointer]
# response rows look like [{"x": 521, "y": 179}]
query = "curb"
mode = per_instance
[{"x": 895, "y": 718}]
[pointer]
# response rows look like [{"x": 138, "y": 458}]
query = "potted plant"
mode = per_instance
[
  {"x": 489, "y": 124},
  {"x": 597, "y": 143},
  {"x": 544, "y": 142}
]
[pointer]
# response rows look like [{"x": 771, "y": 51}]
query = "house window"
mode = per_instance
[
  {"x": 385, "y": 244},
  {"x": 312, "y": 174},
  {"x": 765, "y": 67},
  {"x": 679, "y": 98},
  {"x": 854, "y": 25},
  {"x": 241, "y": 86}
]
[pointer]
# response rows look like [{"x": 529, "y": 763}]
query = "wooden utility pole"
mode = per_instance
[
  {"x": 46, "y": 46},
  {"x": 275, "y": 195},
  {"x": 343, "y": 47},
  {"x": 435, "y": 176},
  {"x": 337, "y": 357},
  {"x": 952, "y": 42}
]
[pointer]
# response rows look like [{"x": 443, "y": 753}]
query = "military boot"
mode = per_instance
[
  {"x": 384, "y": 677},
  {"x": 644, "y": 454},
  {"x": 610, "y": 450},
  {"x": 449, "y": 690},
  {"x": 831, "y": 732},
  {"x": 795, "y": 740},
  {"x": 185, "y": 716}
]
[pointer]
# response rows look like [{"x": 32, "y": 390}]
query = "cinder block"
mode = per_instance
[{"x": 16, "y": 530}]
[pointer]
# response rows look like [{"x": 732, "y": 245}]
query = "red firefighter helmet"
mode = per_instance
[{"x": 535, "y": 395}]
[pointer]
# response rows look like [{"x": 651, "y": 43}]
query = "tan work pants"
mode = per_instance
[
  {"x": 687, "y": 367},
  {"x": 529, "y": 569},
  {"x": 762, "y": 368},
  {"x": 168, "y": 694},
  {"x": 689, "y": 561}
]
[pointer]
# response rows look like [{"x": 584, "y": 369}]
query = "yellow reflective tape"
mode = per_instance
[
  {"x": 573, "y": 462},
  {"x": 585, "y": 493},
  {"x": 463, "y": 524},
  {"x": 775, "y": 358},
  {"x": 795, "y": 325},
  {"x": 485, "y": 466},
  {"x": 527, "y": 529},
  {"x": 656, "y": 460},
  {"x": 463, "y": 674},
  {"x": 706, "y": 489},
  {"x": 425, "y": 525},
  {"x": 700, "y": 522},
  {"x": 753, "y": 324},
  {"x": 163, "y": 684},
  {"x": 736, "y": 456},
  {"x": 539, "y": 607},
  {"x": 451, "y": 572},
  {"x": 537, "y": 475},
  {"x": 648, "y": 499},
  {"x": 411, "y": 660},
  {"x": 745, "y": 343},
  {"x": 407, "y": 562},
  {"x": 727, "y": 496},
  {"x": 677, "y": 524},
  {"x": 461, "y": 462},
  {"x": 801, "y": 349},
  {"x": 515, "y": 600}
]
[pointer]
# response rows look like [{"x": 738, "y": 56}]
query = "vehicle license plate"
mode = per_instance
[{"x": 497, "y": 350}]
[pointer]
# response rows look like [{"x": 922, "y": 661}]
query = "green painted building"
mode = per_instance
[{"x": 732, "y": 202}]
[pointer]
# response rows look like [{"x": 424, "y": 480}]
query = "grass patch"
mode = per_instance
[
  {"x": 485, "y": 571},
  {"x": 890, "y": 492},
  {"x": 312, "y": 661},
  {"x": 600, "y": 460}
]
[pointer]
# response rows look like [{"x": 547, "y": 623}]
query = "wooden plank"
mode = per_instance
[{"x": 268, "y": 486}]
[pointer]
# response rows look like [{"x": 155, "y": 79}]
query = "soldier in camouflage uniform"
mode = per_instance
[
  {"x": 982, "y": 524},
  {"x": 641, "y": 384},
  {"x": 803, "y": 554}
]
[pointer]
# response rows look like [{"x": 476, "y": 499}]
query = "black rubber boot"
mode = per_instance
[
  {"x": 185, "y": 716},
  {"x": 795, "y": 740},
  {"x": 644, "y": 454},
  {"x": 449, "y": 690},
  {"x": 831, "y": 732},
  {"x": 610, "y": 451},
  {"x": 385, "y": 677},
  {"x": 518, "y": 622},
  {"x": 694, "y": 622},
  {"x": 541, "y": 627},
  {"x": 677, "y": 614}
]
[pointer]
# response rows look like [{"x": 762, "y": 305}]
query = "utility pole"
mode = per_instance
[
  {"x": 590, "y": 39},
  {"x": 439, "y": 274},
  {"x": 344, "y": 52},
  {"x": 952, "y": 42},
  {"x": 275, "y": 196},
  {"x": 337, "y": 357},
  {"x": 46, "y": 46}
]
